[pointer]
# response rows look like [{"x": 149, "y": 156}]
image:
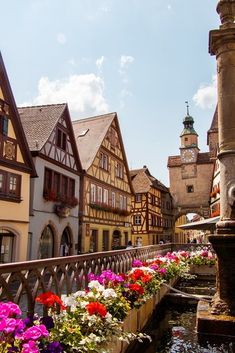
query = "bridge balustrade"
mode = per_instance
[{"x": 22, "y": 282}]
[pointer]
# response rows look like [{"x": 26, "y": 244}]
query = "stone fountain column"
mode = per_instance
[{"x": 222, "y": 44}]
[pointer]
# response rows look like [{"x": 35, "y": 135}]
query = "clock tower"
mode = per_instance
[
  {"x": 189, "y": 140},
  {"x": 190, "y": 173}
]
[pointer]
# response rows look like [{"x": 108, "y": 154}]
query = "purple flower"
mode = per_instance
[
  {"x": 54, "y": 347},
  {"x": 35, "y": 332},
  {"x": 47, "y": 321},
  {"x": 137, "y": 263}
]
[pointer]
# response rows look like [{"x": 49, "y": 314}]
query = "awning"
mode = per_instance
[{"x": 206, "y": 224}]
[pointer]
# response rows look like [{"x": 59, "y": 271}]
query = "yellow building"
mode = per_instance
[
  {"x": 152, "y": 216},
  {"x": 16, "y": 167},
  {"x": 181, "y": 235},
  {"x": 106, "y": 190}
]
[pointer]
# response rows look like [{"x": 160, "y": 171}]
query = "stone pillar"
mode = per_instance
[{"x": 222, "y": 44}]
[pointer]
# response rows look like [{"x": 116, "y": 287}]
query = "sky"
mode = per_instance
[{"x": 140, "y": 58}]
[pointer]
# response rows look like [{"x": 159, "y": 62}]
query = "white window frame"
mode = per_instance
[
  {"x": 113, "y": 200},
  {"x": 99, "y": 194},
  {"x": 105, "y": 196},
  {"x": 137, "y": 219},
  {"x": 93, "y": 193}
]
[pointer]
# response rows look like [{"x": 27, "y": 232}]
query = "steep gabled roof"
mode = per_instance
[
  {"x": 89, "y": 135},
  {"x": 39, "y": 122},
  {"x": 15, "y": 119},
  {"x": 142, "y": 181}
]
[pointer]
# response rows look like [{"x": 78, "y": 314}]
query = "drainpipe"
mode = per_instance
[{"x": 222, "y": 45}]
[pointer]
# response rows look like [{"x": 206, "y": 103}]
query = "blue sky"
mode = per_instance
[{"x": 142, "y": 59}]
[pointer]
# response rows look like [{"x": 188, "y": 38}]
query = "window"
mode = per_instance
[
  {"x": 153, "y": 220},
  {"x": 10, "y": 185},
  {"x": 124, "y": 203},
  {"x": 121, "y": 202},
  {"x": 137, "y": 219},
  {"x": 56, "y": 183},
  {"x": 46, "y": 246},
  {"x": 153, "y": 199},
  {"x": 119, "y": 170},
  {"x": 190, "y": 189},
  {"x": 93, "y": 193},
  {"x": 99, "y": 194},
  {"x": 104, "y": 161},
  {"x": 106, "y": 196},
  {"x": 113, "y": 200},
  {"x": 138, "y": 197},
  {"x": 4, "y": 125},
  {"x": 61, "y": 139}
]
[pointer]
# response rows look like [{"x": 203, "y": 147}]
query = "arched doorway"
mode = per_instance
[
  {"x": 46, "y": 245},
  {"x": 66, "y": 243},
  {"x": 116, "y": 239},
  {"x": 6, "y": 246}
]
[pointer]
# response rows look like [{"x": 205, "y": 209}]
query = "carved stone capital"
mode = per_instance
[{"x": 226, "y": 11}]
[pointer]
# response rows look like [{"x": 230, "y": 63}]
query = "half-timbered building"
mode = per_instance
[
  {"x": 152, "y": 216},
  {"x": 107, "y": 188},
  {"x": 54, "y": 194},
  {"x": 16, "y": 167}
]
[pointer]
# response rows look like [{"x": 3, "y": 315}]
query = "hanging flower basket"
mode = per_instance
[{"x": 62, "y": 211}]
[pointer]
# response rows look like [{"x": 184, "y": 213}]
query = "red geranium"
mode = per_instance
[
  {"x": 94, "y": 308},
  {"x": 137, "y": 274},
  {"x": 146, "y": 278},
  {"x": 50, "y": 300},
  {"x": 136, "y": 288}
]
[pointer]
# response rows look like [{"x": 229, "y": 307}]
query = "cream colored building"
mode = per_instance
[
  {"x": 105, "y": 221},
  {"x": 16, "y": 168}
]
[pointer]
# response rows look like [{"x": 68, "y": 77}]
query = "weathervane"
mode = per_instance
[{"x": 187, "y": 105}]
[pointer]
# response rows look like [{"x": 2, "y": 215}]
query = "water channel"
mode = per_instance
[{"x": 173, "y": 328}]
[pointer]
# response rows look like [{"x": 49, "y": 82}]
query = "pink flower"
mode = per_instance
[
  {"x": 30, "y": 347},
  {"x": 35, "y": 332},
  {"x": 9, "y": 309},
  {"x": 11, "y": 325}
]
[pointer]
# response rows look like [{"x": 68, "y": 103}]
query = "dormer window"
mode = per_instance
[{"x": 61, "y": 139}]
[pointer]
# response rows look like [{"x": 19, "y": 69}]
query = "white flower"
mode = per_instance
[
  {"x": 69, "y": 300},
  {"x": 109, "y": 293},
  {"x": 79, "y": 293},
  {"x": 96, "y": 285}
]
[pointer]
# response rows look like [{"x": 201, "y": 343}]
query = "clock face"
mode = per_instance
[{"x": 188, "y": 156}]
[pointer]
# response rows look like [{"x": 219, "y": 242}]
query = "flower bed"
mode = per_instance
[{"x": 110, "y": 312}]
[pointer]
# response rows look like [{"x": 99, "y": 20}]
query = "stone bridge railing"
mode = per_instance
[{"x": 21, "y": 282}]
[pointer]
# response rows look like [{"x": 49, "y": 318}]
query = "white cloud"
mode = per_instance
[
  {"x": 125, "y": 60},
  {"x": 99, "y": 62},
  {"x": 61, "y": 38},
  {"x": 83, "y": 93},
  {"x": 206, "y": 95}
]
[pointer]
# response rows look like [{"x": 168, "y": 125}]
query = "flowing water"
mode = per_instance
[{"x": 173, "y": 331}]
